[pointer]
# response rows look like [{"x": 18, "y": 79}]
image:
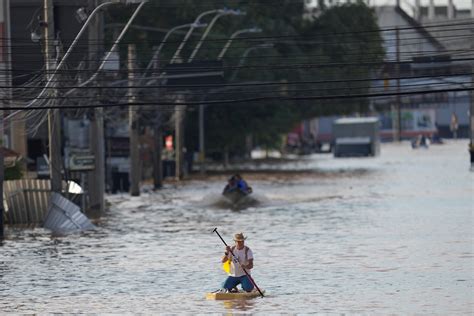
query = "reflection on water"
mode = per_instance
[
  {"x": 385, "y": 235},
  {"x": 239, "y": 305}
]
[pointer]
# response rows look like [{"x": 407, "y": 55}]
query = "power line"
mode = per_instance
[
  {"x": 405, "y": 42},
  {"x": 293, "y": 66},
  {"x": 242, "y": 100},
  {"x": 294, "y": 57},
  {"x": 463, "y": 22},
  {"x": 251, "y": 84},
  {"x": 194, "y": 94},
  {"x": 407, "y": 54}
]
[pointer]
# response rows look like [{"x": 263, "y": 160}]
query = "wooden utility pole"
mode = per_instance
[
  {"x": 397, "y": 126},
  {"x": 157, "y": 158},
  {"x": 471, "y": 121},
  {"x": 179, "y": 135},
  {"x": 158, "y": 140},
  {"x": 54, "y": 119},
  {"x": 96, "y": 177},
  {"x": 471, "y": 110},
  {"x": 5, "y": 49},
  {"x": 133, "y": 124},
  {"x": 157, "y": 161},
  {"x": 202, "y": 147}
]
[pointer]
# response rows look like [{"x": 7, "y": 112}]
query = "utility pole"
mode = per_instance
[
  {"x": 471, "y": 110},
  {"x": 133, "y": 125},
  {"x": 397, "y": 121},
  {"x": 471, "y": 121},
  {"x": 5, "y": 64},
  {"x": 179, "y": 135},
  {"x": 158, "y": 138},
  {"x": 54, "y": 119},
  {"x": 157, "y": 161},
  {"x": 202, "y": 148},
  {"x": 96, "y": 177}
]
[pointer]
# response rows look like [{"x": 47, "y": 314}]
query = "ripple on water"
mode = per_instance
[{"x": 351, "y": 236}]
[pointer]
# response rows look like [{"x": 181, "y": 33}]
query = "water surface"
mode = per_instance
[{"x": 385, "y": 235}]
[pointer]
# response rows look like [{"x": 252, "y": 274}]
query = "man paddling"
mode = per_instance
[{"x": 243, "y": 257}]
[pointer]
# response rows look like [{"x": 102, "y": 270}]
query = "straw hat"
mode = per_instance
[{"x": 239, "y": 237}]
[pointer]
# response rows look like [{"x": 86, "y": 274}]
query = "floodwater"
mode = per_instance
[{"x": 385, "y": 235}]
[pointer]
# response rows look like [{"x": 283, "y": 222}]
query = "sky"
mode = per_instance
[{"x": 460, "y": 4}]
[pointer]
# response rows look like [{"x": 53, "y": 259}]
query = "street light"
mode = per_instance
[
  {"x": 208, "y": 29},
  {"x": 114, "y": 46},
  {"x": 191, "y": 29},
  {"x": 202, "y": 105},
  {"x": 179, "y": 109},
  {"x": 220, "y": 12},
  {"x": 71, "y": 47},
  {"x": 227, "y": 45},
  {"x": 194, "y": 25}
]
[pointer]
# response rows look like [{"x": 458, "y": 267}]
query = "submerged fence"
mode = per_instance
[{"x": 26, "y": 201}]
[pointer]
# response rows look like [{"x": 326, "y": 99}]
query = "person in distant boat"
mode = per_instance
[
  {"x": 242, "y": 184},
  {"x": 243, "y": 257},
  {"x": 231, "y": 185}
]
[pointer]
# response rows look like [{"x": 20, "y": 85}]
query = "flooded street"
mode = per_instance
[{"x": 385, "y": 235}]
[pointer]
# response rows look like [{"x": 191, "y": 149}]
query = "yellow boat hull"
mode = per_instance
[{"x": 232, "y": 296}]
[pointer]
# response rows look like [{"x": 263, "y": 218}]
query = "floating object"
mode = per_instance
[
  {"x": 218, "y": 295},
  {"x": 65, "y": 217}
]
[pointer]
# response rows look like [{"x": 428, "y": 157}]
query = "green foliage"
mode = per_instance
[
  {"x": 13, "y": 173},
  {"x": 329, "y": 49}
]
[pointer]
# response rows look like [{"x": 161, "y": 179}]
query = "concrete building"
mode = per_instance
[
  {"x": 438, "y": 59},
  {"x": 434, "y": 65}
]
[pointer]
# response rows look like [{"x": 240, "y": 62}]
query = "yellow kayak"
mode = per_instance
[{"x": 232, "y": 296}]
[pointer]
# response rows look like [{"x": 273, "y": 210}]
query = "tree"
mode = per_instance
[{"x": 329, "y": 49}]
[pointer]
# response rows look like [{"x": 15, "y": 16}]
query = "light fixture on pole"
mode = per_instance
[
  {"x": 208, "y": 29},
  {"x": 193, "y": 25},
  {"x": 35, "y": 37},
  {"x": 233, "y": 36},
  {"x": 176, "y": 55},
  {"x": 68, "y": 52},
  {"x": 81, "y": 15}
]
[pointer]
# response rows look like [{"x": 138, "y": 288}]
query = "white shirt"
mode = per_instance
[{"x": 235, "y": 268}]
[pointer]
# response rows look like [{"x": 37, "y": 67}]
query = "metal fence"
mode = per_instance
[
  {"x": 26, "y": 200},
  {"x": 65, "y": 217}
]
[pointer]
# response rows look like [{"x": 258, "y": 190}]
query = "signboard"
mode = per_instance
[{"x": 81, "y": 162}]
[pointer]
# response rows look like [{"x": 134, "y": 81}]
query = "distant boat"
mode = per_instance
[
  {"x": 239, "y": 200},
  {"x": 420, "y": 142}
]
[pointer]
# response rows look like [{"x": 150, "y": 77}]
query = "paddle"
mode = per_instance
[{"x": 250, "y": 278}]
